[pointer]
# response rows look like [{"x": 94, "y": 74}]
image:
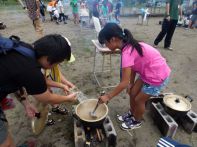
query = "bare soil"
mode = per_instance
[{"x": 182, "y": 60}]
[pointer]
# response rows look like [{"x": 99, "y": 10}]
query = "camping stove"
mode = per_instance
[{"x": 103, "y": 135}]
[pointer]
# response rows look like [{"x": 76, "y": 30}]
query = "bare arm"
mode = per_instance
[
  {"x": 22, "y": 97},
  {"x": 167, "y": 8},
  {"x": 52, "y": 83},
  {"x": 38, "y": 5},
  {"x": 38, "y": 8},
  {"x": 126, "y": 78},
  {"x": 51, "y": 98},
  {"x": 132, "y": 79},
  {"x": 180, "y": 11},
  {"x": 65, "y": 81}
]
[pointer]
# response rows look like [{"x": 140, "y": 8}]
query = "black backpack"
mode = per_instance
[{"x": 14, "y": 43}]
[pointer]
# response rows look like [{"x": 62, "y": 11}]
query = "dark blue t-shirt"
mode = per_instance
[
  {"x": 118, "y": 6},
  {"x": 194, "y": 11},
  {"x": 18, "y": 71}
]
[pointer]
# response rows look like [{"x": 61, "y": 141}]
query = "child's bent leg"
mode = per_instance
[
  {"x": 134, "y": 91},
  {"x": 140, "y": 101}
]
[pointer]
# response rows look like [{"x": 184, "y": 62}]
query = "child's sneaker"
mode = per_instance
[
  {"x": 125, "y": 116},
  {"x": 131, "y": 124}
]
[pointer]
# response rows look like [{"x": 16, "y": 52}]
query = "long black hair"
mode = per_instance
[
  {"x": 54, "y": 46},
  {"x": 113, "y": 30}
]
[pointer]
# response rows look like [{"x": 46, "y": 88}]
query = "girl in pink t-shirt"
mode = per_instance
[{"x": 136, "y": 58}]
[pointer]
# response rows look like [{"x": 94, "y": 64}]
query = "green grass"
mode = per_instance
[{"x": 12, "y": 4}]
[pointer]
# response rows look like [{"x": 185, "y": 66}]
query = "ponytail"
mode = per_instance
[
  {"x": 113, "y": 30},
  {"x": 128, "y": 39}
]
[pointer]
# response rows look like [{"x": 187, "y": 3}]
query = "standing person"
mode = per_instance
[
  {"x": 90, "y": 8},
  {"x": 110, "y": 8},
  {"x": 193, "y": 20},
  {"x": 96, "y": 8},
  {"x": 49, "y": 51},
  {"x": 173, "y": 8},
  {"x": 104, "y": 13},
  {"x": 33, "y": 8},
  {"x": 136, "y": 58},
  {"x": 75, "y": 10},
  {"x": 60, "y": 8},
  {"x": 50, "y": 8},
  {"x": 42, "y": 10},
  {"x": 117, "y": 11}
]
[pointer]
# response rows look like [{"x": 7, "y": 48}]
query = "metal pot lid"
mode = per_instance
[
  {"x": 38, "y": 123},
  {"x": 84, "y": 108},
  {"x": 177, "y": 102}
]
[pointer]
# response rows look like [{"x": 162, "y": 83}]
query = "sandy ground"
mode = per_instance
[{"x": 183, "y": 80}]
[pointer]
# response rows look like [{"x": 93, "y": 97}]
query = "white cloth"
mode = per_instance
[
  {"x": 49, "y": 8},
  {"x": 60, "y": 7},
  {"x": 84, "y": 12},
  {"x": 56, "y": 13}
]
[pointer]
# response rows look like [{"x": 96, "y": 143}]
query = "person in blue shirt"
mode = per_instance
[
  {"x": 193, "y": 20},
  {"x": 117, "y": 11}
]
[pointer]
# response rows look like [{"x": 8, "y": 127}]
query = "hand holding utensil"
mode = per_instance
[{"x": 92, "y": 113}]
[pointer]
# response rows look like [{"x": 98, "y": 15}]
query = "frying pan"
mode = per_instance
[{"x": 83, "y": 109}]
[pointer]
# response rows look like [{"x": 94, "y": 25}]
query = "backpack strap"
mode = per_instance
[{"x": 13, "y": 43}]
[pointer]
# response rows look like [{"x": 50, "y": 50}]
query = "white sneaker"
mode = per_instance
[
  {"x": 125, "y": 116},
  {"x": 131, "y": 124},
  {"x": 169, "y": 48},
  {"x": 155, "y": 46}
]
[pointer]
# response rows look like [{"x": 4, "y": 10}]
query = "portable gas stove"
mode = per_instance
[{"x": 102, "y": 135}]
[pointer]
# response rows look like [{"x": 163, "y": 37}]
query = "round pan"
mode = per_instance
[{"x": 84, "y": 108}]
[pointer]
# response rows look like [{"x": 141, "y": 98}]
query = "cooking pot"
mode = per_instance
[
  {"x": 177, "y": 106},
  {"x": 83, "y": 109}
]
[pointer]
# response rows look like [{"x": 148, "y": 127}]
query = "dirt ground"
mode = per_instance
[{"x": 182, "y": 61}]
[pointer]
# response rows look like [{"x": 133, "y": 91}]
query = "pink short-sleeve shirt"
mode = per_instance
[{"x": 151, "y": 67}]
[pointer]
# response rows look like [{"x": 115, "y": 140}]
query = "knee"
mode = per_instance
[
  {"x": 139, "y": 102},
  {"x": 133, "y": 94}
]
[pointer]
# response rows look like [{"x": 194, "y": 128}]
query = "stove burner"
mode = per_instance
[{"x": 103, "y": 135}]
